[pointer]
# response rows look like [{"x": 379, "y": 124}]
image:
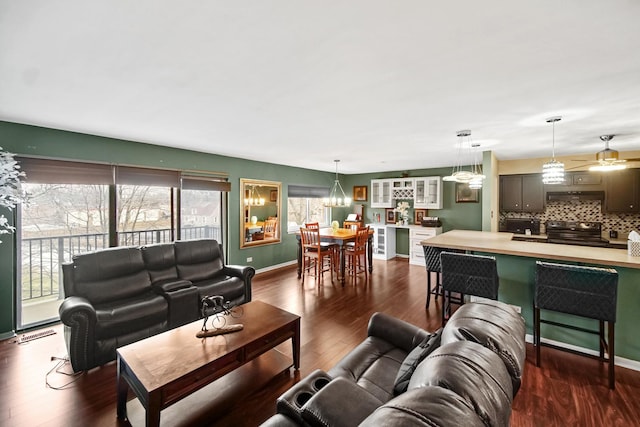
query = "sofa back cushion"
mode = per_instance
[
  {"x": 425, "y": 406},
  {"x": 494, "y": 325},
  {"x": 198, "y": 259},
  {"x": 474, "y": 373},
  {"x": 110, "y": 275},
  {"x": 160, "y": 262}
]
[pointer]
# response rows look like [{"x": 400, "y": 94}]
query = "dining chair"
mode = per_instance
[
  {"x": 467, "y": 274},
  {"x": 269, "y": 228},
  {"x": 334, "y": 247},
  {"x": 314, "y": 254},
  {"x": 578, "y": 290},
  {"x": 356, "y": 254}
]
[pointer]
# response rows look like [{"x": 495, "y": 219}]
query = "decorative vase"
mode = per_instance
[
  {"x": 335, "y": 225},
  {"x": 254, "y": 220}
]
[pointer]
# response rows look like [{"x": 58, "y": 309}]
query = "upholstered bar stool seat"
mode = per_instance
[
  {"x": 469, "y": 275},
  {"x": 589, "y": 292},
  {"x": 432, "y": 263}
]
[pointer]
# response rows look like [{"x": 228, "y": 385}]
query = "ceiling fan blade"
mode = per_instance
[{"x": 635, "y": 159}]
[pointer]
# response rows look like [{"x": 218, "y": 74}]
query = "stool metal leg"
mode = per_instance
[
  {"x": 612, "y": 357},
  {"x": 536, "y": 333}
]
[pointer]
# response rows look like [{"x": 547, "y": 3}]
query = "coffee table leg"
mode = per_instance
[
  {"x": 153, "y": 411},
  {"x": 123, "y": 389},
  {"x": 295, "y": 342}
]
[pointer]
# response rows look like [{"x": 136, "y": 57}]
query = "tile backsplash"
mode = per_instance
[{"x": 582, "y": 210}]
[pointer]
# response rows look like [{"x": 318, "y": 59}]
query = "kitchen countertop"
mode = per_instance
[{"x": 502, "y": 243}]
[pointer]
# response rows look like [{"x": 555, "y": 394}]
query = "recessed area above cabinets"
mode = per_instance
[{"x": 425, "y": 192}]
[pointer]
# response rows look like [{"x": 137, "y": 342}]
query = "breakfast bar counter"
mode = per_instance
[
  {"x": 502, "y": 243},
  {"x": 516, "y": 261}
]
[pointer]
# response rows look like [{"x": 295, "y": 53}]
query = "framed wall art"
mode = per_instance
[
  {"x": 418, "y": 214},
  {"x": 464, "y": 194},
  {"x": 359, "y": 193},
  {"x": 390, "y": 216}
]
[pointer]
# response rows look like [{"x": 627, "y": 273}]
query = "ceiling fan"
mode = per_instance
[{"x": 608, "y": 159}]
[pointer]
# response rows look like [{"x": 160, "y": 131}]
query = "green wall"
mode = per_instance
[{"x": 50, "y": 143}]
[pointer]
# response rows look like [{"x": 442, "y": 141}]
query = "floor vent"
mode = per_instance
[{"x": 30, "y": 337}]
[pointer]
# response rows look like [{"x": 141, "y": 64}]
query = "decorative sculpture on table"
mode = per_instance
[{"x": 215, "y": 307}]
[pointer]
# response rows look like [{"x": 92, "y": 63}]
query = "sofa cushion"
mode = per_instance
[
  {"x": 110, "y": 275},
  {"x": 198, "y": 260},
  {"x": 425, "y": 406},
  {"x": 415, "y": 356},
  {"x": 160, "y": 262},
  {"x": 473, "y": 372},
  {"x": 231, "y": 288},
  {"x": 373, "y": 365},
  {"x": 494, "y": 325},
  {"x": 132, "y": 314}
]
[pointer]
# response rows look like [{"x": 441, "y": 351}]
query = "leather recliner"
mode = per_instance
[{"x": 117, "y": 296}]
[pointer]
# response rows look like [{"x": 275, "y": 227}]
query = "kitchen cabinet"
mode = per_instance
[
  {"x": 428, "y": 193},
  {"x": 521, "y": 193},
  {"x": 384, "y": 241},
  {"x": 381, "y": 193},
  {"x": 622, "y": 191},
  {"x": 416, "y": 235}
]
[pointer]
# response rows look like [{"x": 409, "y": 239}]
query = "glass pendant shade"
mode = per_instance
[
  {"x": 337, "y": 198},
  {"x": 553, "y": 170},
  {"x": 474, "y": 176}
]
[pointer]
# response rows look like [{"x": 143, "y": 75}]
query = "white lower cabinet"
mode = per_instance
[
  {"x": 416, "y": 235},
  {"x": 384, "y": 241}
]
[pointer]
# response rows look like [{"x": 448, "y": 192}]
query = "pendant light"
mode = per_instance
[
  {"x": 254, "y": 198},
  {"x": 474, "y": 176},
  {"x": 553, "y": 170},
  {"x": 337, "y": 198}
]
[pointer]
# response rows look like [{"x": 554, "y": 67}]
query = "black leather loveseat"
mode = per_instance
[
  {"x": 120, "y": 295},
  {"x": 465, "y": 374}
]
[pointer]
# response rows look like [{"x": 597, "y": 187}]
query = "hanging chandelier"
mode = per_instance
[
  {"x": 337, "y": 198},
  {"x": 474, "y": 176},
  {"x": 254, "y": 198},
  {"x": 553, "y": 170}
]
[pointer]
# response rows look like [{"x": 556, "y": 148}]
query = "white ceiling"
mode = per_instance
[{"x": 381, "y": 85}]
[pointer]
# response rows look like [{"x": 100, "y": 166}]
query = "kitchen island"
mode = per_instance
[{"x": 516, "y": 270}]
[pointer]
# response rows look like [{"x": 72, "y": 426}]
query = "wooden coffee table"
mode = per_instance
[{"x": 166, "y": 368}]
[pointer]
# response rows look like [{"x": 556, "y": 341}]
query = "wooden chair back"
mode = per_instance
[{"x": 269, "y": 228}]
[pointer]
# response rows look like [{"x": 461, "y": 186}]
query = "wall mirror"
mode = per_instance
[{"x": 260, "y": 207}]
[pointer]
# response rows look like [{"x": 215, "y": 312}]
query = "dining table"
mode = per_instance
[{"x": 341, "y": 237}]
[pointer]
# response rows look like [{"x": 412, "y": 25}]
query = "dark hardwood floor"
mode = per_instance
[{"x": 567, "y": 391}]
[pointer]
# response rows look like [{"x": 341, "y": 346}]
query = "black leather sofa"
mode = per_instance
[
  {"x": 470, "y": 373},
  {"x": 121, "y": 295}
]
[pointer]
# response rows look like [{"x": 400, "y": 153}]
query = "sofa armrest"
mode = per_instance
[
  {"x": 339, "y": 403},
  {"x": 398, "y": 332},
  {"x": 245, "y": 272},
  {"x": 79, "y": 317}
]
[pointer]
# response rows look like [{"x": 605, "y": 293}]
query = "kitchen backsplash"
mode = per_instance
[{"x": 587, "y": 210}]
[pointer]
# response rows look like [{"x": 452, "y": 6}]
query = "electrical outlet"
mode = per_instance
[{"x": 249, "y": 259}]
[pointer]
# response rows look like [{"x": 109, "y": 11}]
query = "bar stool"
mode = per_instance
[
  {"x": 589, "y": 292},
  {"x": 432, "y": 263},
  {"x": 469, "y": 275}
]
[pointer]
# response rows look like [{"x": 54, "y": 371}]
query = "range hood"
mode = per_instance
[{"x": 574, "y": 195}]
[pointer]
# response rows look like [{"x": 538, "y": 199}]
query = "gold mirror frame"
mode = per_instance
[{"x": 254, "y": 215}]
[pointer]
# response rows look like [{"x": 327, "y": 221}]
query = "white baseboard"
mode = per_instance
[
  {"x": 619, "y": 361},
  {"x": 277, "y": 266}
]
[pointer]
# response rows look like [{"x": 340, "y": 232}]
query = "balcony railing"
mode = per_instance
[{"x": 42, "y": 257}]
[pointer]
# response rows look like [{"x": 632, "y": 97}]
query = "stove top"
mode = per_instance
[{"x": 584, "y": 233}]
